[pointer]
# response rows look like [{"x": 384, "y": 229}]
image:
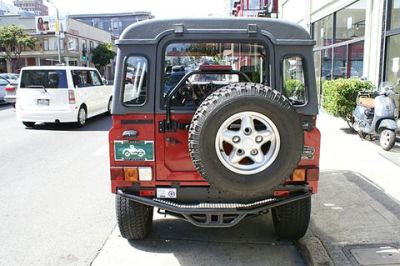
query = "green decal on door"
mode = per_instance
[{"x": 134, "y": 150}]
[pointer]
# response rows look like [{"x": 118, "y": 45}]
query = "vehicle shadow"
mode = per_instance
[
  {"x": 98, "y": 123},
  {"x": 5, "y": 106},
  {"x": 251, "y": 242},
  {"x": 348, "y": 131}
]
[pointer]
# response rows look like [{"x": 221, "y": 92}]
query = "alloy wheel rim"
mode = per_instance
[{"x": 247, "y": 143}]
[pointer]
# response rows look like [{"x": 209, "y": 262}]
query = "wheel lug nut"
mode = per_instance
[
  {"x": 247, "y": 131},
  {"x": 259, "y": 139},
  {"x": 240, "y": 152},
  {"x": 236, "y": 139},
  {"x": 254, "y": 152}
]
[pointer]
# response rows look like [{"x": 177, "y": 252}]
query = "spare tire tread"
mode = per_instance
[{"x": 215, "y": 101}]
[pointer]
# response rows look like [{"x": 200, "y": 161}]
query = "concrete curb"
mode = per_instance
[{"x": 314, "y": 251}]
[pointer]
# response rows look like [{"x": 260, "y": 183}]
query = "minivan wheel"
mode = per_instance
[
  {"x": 29, "y": 124},
  {"x": 134, "y": 219},
  {"x": 82, "y": 116},
  {"x": 291, "y": 220}
]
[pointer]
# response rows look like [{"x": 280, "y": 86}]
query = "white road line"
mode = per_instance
[{"x": 100, "y": 152}]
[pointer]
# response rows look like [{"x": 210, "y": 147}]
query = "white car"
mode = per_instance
[{"x": 61, "y": 94}]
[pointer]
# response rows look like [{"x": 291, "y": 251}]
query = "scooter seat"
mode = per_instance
[{"x": 367, "y": 102}]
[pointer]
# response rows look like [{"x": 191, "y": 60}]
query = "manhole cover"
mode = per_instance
[{"x": 373, "y": 254}]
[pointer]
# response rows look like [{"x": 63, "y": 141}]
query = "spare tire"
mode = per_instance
[{"x": 246, "y": 139}]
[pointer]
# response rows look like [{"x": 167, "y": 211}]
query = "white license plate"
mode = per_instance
[
  {"x": 166, "y": 193},
  {"x": 43, "y": 102}
]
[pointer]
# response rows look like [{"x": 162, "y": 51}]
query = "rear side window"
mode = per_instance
[
  {"x": 81, "y": 78},
  {"x": 293, "y": 80},
  {"x": 49, "y": 79},
  {"x": 96, "y": 81},
  {"x": 135, "y": 80}
]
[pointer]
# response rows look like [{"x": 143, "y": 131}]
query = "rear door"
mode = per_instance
[
  {"x": 250, "y": 58},
  {"x": 43, "y": 89}
]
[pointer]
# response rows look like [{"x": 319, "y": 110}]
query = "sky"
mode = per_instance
[{"x": 159, "y": 8}]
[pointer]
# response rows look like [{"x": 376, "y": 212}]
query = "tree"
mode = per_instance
[
  {"x": 13, "y": 41},
  {"x": 102, "y": 55}
]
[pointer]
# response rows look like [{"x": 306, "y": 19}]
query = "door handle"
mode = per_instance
[{"x": 130, "y": 134}]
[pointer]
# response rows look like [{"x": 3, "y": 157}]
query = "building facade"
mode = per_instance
[
  {"x": 77, "y": 43},
  {"x": 353, "y": 38},
  {"x": 115, "y": 23},
  {"x": 254, "y": 8},
  {"x": 35, "y": 6}
]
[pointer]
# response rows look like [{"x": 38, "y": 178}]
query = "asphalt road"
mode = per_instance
[
  {"x": 55, "y": 202},
  {"x": 56, "y": 208}
]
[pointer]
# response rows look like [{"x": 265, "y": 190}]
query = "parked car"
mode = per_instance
[
  {"x": 3, "y": 84},
  {"x": 222, "y": 142},
  {"x": 11, "y": 92},
  {"x": 11, "y": 77},
  {"x": 61, "y": 94}
]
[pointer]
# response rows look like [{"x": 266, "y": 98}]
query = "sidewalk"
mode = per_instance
[{"x": 356, "y": 213}]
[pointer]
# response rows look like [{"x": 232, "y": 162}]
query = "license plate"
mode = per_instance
[
  {"x": 43, "y": 102},
  {"x": 166, "y": 193}
]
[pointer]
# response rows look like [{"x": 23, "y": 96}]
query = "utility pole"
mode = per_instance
[{"x": 58, "y": 33}]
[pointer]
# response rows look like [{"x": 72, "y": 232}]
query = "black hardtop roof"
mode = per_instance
[{"x": 276, "y": 29}]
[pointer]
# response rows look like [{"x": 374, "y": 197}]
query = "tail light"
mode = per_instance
[
  {"x": 71, "y": 97},
  {"x": 9, "y": 88}
]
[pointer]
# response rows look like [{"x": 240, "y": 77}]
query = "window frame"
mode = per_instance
[{"x": 125, "y": 60}]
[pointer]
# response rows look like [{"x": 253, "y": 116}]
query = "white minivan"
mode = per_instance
[{"x": 61, "y": 94}]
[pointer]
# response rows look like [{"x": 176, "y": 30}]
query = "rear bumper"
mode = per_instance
[
  {"x": 214, "y": 214},
  {"x": 47, "y": 116},
  {"x": 10, "y": 99}
]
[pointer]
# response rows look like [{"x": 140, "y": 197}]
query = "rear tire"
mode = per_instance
[
  {"x": 387, "y": 139},
  {"x": 134, "y": 219},
  {"x": 82, "y": 116},
  {"x": 291, "y": 220},
  {"x": 29, "y": 124}
]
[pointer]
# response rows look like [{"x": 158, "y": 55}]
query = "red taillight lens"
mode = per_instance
[
  {"x": 9, "y": 88},
  {"x": 71, "y": 97}
]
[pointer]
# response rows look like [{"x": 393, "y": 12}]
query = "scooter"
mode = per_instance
[{"x": 376, "y": 114}]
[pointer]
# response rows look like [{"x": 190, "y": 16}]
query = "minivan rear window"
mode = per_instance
[{"x": 49, "y": 79}]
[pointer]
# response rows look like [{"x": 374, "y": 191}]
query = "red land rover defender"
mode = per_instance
[{"x": 214, "y": 120}]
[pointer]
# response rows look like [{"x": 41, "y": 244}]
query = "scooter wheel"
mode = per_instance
[{"x": 387, "y": 139}]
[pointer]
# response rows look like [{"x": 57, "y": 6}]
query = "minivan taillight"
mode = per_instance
[
  {"x": 71, "y": 96},
  {"x": 9, "y": 88}
]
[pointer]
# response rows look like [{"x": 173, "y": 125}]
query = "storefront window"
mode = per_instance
[
  {"x": 326, "y": 71},
  {"x": 393, "y": 61},
  {"x": 350, "y": 22},
  {"x": 356, "y": 60},
  {"x": 394, "y": 14},
  {"x": 340, "y": 62},
  {"x": 323, "y": 31}
]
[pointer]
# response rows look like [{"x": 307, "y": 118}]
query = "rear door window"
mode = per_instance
[
  {"x": 49, "y": 79},
  {"x": 251, "y": 59}
]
